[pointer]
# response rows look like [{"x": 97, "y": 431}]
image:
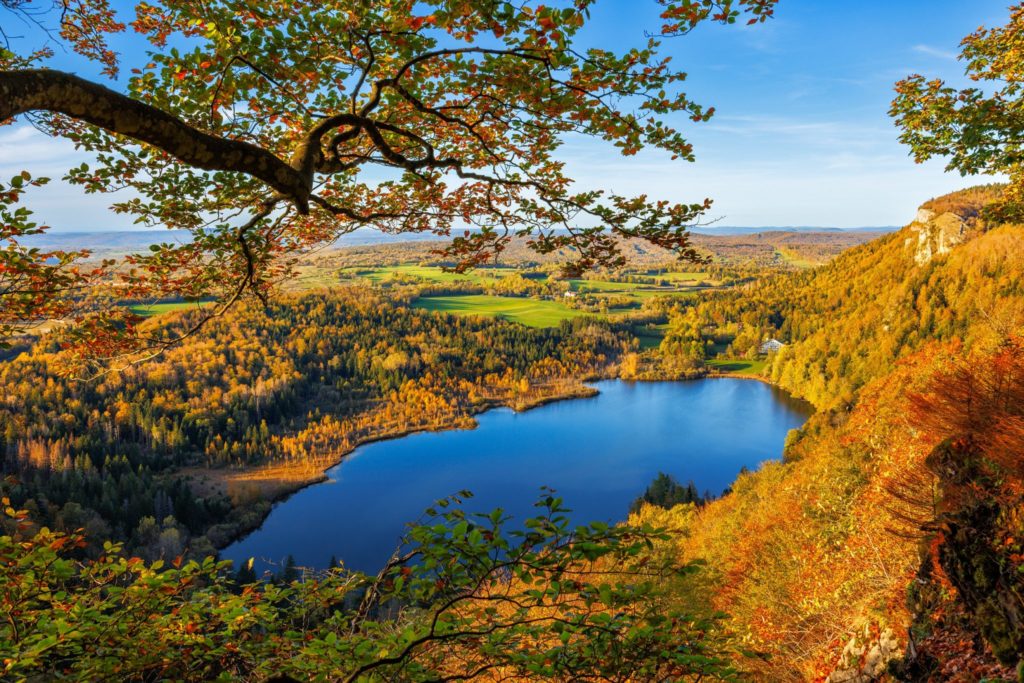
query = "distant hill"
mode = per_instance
[
  {"x": 945, "y": 275},
  {"x": 738, "y": 230},
  {"x": 106, "y": 240},
  {"x": 123, "y": 241}
]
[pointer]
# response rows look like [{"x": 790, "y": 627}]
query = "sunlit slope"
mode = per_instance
[
  {"x": 800, "y": 553},
  {"x": 849, "y": 321},
  {"x": 813, "y": 557}
]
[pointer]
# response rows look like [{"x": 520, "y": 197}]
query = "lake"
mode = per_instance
[{"x": 598, "y": 453}]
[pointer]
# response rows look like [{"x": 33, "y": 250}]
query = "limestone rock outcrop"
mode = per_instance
[
  {"x": 931, "y": 235},
  {"x": 866, "y": 659}
]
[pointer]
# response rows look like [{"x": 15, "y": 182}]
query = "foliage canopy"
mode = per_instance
[
  {"x": 269, "y": 127},
  {"x": 978, "y": 128},
  {"x": 468, "y": 597}
]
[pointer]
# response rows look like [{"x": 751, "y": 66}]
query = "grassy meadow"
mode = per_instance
[
  {"x": 532, "y": 312},
  {"x": 433, "y": 274},
  {"x": 624, "y": 298},
  {"x": 737, "y": 366},
  {"x": 149, "y": 310}
]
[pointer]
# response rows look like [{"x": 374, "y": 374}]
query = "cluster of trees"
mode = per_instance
[
  {"x": 306, "y": 377},
  {"x": 470, "y": 596},
  {"x": 685, "y": 339},
  {"x": 906, "y": 483},
  {"x": 849, "y": 321},
  {"x": 665, "y": 492},
  {"x": 514, "y": 283}
]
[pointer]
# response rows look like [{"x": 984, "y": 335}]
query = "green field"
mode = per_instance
[
  {"x": 427, "y": 273},
  {"x": 651, "y": 335},
  {"x": 794, "y": 259},
  {"x": 638, "y": 289},
  {"x": 148, "y": 310},
  {"x": 604, "y": 286},
  {"x": 684, "y": 277},
  {"x": 311, "y": 277},
  {"x": 638, "y": 292},
  {"x": 532, "y": 312},
  {"x": 738, "y": 366},
  {"x": 641, "y": 294}
]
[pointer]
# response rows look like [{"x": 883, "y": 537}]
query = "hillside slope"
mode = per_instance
[
  {"x": 944, "y": 276},
  {"x": 813, "y": 557}
]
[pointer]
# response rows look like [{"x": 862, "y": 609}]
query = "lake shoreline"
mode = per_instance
[
  {"x": 642, "y": 426},
  {"x": 733, "y": 375},
  {"x": 579, "y": 391}
]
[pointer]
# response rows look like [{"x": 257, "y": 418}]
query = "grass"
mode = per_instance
[
  {"x": 483, "y": 276},
  {"x": 532, "y": 312},
  {"x": 686, "y": 279},
  {"x": 794, "y": 259},
  {"x": 642, "y": 294},
  {"x": 640, "y": 290},
  {"x": 651, "y": 335},
  {"x": 149, "y": 310},
  {"x": 738, "y": 366},
  {"x": 635, "y": 292},
  {"x": 312, "y": 277},
  {"x": 427, "y": 273},
  {"x": 604, "y": 286}
]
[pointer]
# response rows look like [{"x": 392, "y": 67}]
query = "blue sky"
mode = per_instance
[{"x": 801, "y": 135}]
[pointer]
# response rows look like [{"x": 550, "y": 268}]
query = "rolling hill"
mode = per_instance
[{"x": 867, "y": 550}]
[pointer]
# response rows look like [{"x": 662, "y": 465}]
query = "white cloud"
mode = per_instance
[
  {"x": 781, "y": 130},
  {"x": 59, "y": 205},
  {"x": 935, "y": 52},
  {"x": 818, "y": 182},
  {"x": 25, "y": 147}
]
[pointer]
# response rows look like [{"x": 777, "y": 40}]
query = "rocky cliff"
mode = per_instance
[
  {"x": 932, "y": 234},
  {"x": 944, "y": 222}
]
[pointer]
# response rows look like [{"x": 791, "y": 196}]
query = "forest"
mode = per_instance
[
  {"x": 888, "y": 540},
  {"x": 156, "y": 402},
  {"x": 886, "y": 312},
  {"x": 287, "y": 390}
]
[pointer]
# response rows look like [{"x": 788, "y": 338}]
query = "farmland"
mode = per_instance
[
  {"x": 149, "y": 310},
  {"x": 531, "y": 312},
  {"x": 738, "y": 366},
  {"x": 432, "y": 274}
]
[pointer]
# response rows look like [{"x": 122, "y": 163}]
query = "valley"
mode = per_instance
[
  {"x": 375, "y": 343},
  {"x": 598, "y": 453},
  {"x": 429, "y": 341},
  {"x": 356, "y": 354}
]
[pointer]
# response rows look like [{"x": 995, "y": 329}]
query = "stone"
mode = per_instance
[
  {"x": 864, "y": 662},
  {"x": 931, "y": 236}
]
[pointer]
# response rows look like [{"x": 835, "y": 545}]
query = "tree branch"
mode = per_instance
[{"x": 29, "y": 90}]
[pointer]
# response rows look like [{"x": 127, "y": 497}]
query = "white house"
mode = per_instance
[{"x": 771, "y": 346}]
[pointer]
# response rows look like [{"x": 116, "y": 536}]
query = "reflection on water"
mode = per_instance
[{"x": 598, "y": 453}]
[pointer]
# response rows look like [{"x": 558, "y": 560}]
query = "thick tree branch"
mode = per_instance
[{"x": 28, "y": 90}]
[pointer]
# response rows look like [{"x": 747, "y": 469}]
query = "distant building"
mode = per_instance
[
  {"x": 570, "y": 295},
  {"x": 771, "y": 346}
]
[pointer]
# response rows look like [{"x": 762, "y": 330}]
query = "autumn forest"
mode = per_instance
[{"x": 357, "y": 224}]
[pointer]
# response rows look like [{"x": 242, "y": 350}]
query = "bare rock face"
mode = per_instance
[
  {"x": 866, "y": 659},
  {"x": 932, "y": 235}
]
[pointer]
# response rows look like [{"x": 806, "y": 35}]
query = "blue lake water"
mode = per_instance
[{"x": 598, "y": 453}]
